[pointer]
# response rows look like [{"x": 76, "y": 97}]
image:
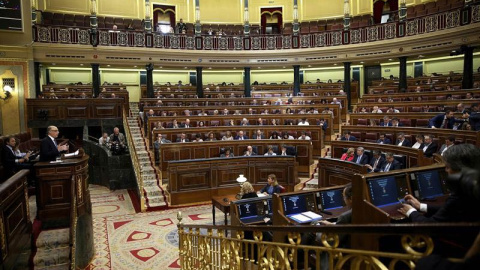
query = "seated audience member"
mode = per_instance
[
  {"x": 419, "y": 142},
  {"x": 363, "y": 110},
  {"x": 392, "y": 109},
  {"x": 348, "y": 137},
  {"x": 160, "y": 140},
  {"x": 335, "y": 101},
  {"x": 460, "y": 107},
  {"x": 270, "y": 151},
  {"x": 228, "y": 136},
  {"x": 383, "y": 139},
  {"x": 117, "y": 141},
  {"x": 286, "y": 136},
  {"x": 303, "y": 122},
  {"x": 210, "y": 137},
  {"x": 272, "y": 186},
  {"x": 258, "y": 135},
  {"x": 396, "y": 122},
  {"x": 225, "y": 111},
  {"x": 360, "y": 156},
  {"x": 377, "y": 162},
  {"x": 183, "y": 138},
  {"x": 175, "y": 124},
  {"x": 237, "y": 112},
  {"x": 429, "y": 146},
  {"x": 200, "y": 124},
  {"x": 198, "y": 138},
  {"x": 14, "y": 161},
  {"x": 449, "y": 142},
  {"x": 228, "y": 153},
  {"x": 349, "y": 155},
  {"x": 323, "y": 123},
  {"x": 386, "y": 121},
  {"x": 241, "y": 136},
  {"x": 304, "y": 136},
  {"x": 376, "y": 110},
  {"x": 469, "y": 95},
  {"x": 345, "y": 217},
  {"x": 444, "y": 120},
  {"x": 244, "y": 122},
  {"x": 274, "y": 136},
  {"x": 249, "y": 152},
  {"x": 260, "y": 122},
  {"x": 186, "y": 124},
  {"x": 458, "y": 206},
  {"x": 390, "y": 163},
  {"x": 274, "y": 122},
  {"x": 402, "y": 141},
  {"x": 104, "y": 140},
  {"x": 202, "y": 113},
  {"x": 247, "y": 191},
  {"x": 231, "y": 123}
]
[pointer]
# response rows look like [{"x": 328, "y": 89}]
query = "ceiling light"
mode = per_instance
[
  {"x": 108, "y": 65},
  {"x": 81, "y": 65},
  {"x": 390, "y": 59},
  {"x": 335, "y": 64},
  {"x": 362, "y": 62},
  {"x": 134, "y": 66},
  {"x": 309, "y": 65}
]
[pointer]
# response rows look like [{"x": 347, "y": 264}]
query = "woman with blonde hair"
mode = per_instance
[
  {"x": 348, "y": 156},
  {"x": 272, "y": 186},
  {"x": 247, "y": 191}
]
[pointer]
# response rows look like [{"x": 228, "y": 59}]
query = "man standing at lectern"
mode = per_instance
[{"x": 49, "y": 149}]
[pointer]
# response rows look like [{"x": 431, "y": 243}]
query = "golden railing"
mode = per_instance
[
  {"x": 134, "y": 157},
  {"x": 73, "y": 223},
  {"x": 209, "y": 247}
]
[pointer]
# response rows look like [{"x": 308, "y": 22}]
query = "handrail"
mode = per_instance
[
  {"x": 134, "y": 157},
  {"x": 73, "y": 223},
  {"x": 215, "y": 250}
]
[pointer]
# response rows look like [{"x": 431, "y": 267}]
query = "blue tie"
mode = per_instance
[{"x": 358, "y": 159}]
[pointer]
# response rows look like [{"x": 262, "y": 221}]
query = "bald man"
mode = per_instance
[{"x": 49, "y": 148}]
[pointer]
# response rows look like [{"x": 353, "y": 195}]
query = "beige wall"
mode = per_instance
[
  {"x": 225, "y": 11},
  {"x": 272, "y": 76},
  {"x": 184, "y": 9},
  {"x": 255, "y": 6},
  {"x": 76, "y": 6},
  {"x": 335, "y": 73},
  {"x": 66, "y": 76},
  {"x": 315, "y": 9},
  {"x": 394, "y": 69},
  {"x": 217, "y": 77},
  {"x": 172, "y": 76}
]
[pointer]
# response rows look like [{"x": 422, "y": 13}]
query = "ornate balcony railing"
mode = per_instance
[
  {"x": 125, "y": 38},
  {"x": 210, "y": 247}
]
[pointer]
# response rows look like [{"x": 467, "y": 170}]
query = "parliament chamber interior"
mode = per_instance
[{"x": 261, "y": 134}]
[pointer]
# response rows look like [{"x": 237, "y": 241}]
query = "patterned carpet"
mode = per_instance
[{"x": 125, "y": 240}]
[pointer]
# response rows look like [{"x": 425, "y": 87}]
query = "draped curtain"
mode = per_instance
[
  {"x": 164, "y": 9},
  {"x": 271, "y": 12},
  {"x": 378, "y": 6}
]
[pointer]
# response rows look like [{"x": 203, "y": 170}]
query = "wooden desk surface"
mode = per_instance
[{"x": 223, "y": 202}]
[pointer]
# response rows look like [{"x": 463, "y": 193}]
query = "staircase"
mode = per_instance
[
  {"x": 53, "y": 250},
  {"x": 152, "y": 185}
]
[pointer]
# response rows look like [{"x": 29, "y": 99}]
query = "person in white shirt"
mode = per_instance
[
  {"x": 376, "y": 110},
  {"x": 304, "y": 136},
  {"x": 335, "y": 101},
  {"x": 104, "y": 140},
  {"x": 303, "y": 122},
  {"x": 419, "y": 143},
  {"x": 270, "y": 151},
  {"x": 450, "y": 141}
]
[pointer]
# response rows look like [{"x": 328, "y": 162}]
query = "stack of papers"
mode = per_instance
[{"x": 305, "y": 217}]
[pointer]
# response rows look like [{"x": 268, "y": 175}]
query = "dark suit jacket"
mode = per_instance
[
  {"x": 179, "y": 139},
  {"x": 475, "y": 120},
  {"x": 8, "y": 160},
  {"x": 245, "y": 137},
  {"x": 432, "y": 148},
  {"x": 437, "y": 121},
  {"x": 455, "y": 209},
  {"x": 48, "y": 150},
  {"x": 276, "y": 189},
  {"x": 405, "y": 142},
  {"x": 255, "y": 137},
  {"x": 380, "y": 164},
  {"x": 385, "y": 141},
  {"x": 352, "y": 138},
  {"x": 395, "y": 166},
  {"x": 249, "y": 195},
  {"x": 363, "y": 159}
]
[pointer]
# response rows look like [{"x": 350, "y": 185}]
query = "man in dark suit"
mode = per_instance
[
  {"x": 386, "y": 121},
  {"x": 458, "y": 206},
  {"x": 377, "y": 162},
  {"x": 383, "y": 139},
  {"x": 186, "y": 124},
  {"x": 11, "y": 160},
  {"x": 258, "y": 135},
  {"x": 49, "y": 149},
  {"x": 402, "y": 141},
  {"x": 474, "y": 117},
  {"x": 287, "y": 151},
  {"x": 429, "y": 146},
  {"x": 360, "y": 156},
  {"x": 323, "y": 123},
  {"x": 444, "y": 120},
  {"x": 449, "y": 142},
  {"x": 390, "y": 163},
  {"x": 183, "y": 138},
  {"x": 348, "y": 137},
  {"x": 240, "y": 136},
  {"x": 249, "y": 152}
]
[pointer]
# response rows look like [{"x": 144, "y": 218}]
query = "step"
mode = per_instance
[
  {"x": 50, "y": 257},
  {"x": 64, "y": 266},
  {"x": 153, "y": 191},
  {"x": 52, "y": 239}
]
